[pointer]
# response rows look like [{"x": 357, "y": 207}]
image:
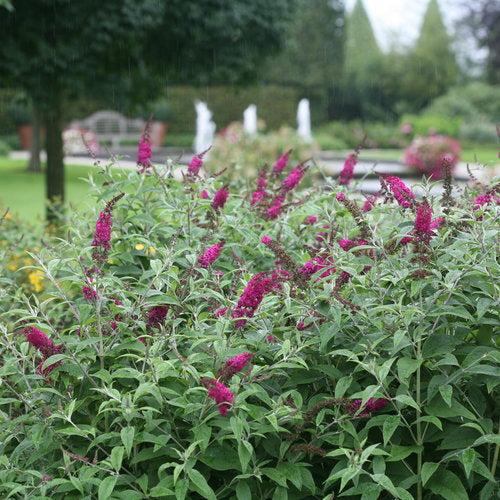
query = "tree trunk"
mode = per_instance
[
  {"x": 54, "y": 179},
  {"x": 34, "y": 164}
]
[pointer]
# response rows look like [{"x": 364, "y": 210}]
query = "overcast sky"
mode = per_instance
[{"x": 400, "y": 20}]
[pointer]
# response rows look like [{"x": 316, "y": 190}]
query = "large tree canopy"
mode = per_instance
[{"x": 59, "y": 48}]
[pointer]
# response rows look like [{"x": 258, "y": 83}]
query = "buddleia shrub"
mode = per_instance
[{"x": 206, "y": 340}]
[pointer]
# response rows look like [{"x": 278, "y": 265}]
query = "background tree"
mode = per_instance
[
  {"x": 56, "y": 50},
  {"x": 482, "y": 20},
  {"x": 432, "y": 67},
  {"x": 312, "y": 56},
  {"x": 360, "y": 93}
]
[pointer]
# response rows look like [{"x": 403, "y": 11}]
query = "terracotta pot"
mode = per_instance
[
  {"x": 25, "y": 133},
  {"x": 158, "y": 133}
]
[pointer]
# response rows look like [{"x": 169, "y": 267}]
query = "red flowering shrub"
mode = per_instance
[
  {"x": 300, "y": 346},
  {"x": 430, "y": 154}
]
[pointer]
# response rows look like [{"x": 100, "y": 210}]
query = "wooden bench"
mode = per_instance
[{"x": 111, "y": 126}]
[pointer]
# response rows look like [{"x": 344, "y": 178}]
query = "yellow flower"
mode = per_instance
[
  {"x": 36, "y": 278},
  {"x": 11, "y": 266},
  {"x": 139, "y": 246},
  {"x": 150, "y": 251},
  {"x": 8, "y": 215}
]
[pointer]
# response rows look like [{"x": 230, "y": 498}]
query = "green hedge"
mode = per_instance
[{"x": 277, "y": 106}]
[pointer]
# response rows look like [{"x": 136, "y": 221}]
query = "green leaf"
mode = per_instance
[
  {"x": 127, "y": 435},
  {"x": 391, "y": 423},
  {"x": 446, "y": 392},
  {"x": 245, "y": 450},
  {"x": 427, "y": 470},
  {"x": 438, "y": 344},
  {"x": 201, "y": 484},
  {"x": 456, "y": 410},
  {"x": 280, "y": 493},
  {"x": 468, "y": 457},
  {"x": 407, "y": 400},
  {"x": 342, "y": 385},
  {"x": 237, "y": 427},
  {"x": 386, "y": 483},
  {"x": 243, "y": 491},
  {"x": 181, "y": 489},
  {"x": 116, "y": 457},
  {"x": 148, "y": 388},
  {"x": 275, "y": 476},
  {"x": 400, "y": 452},
  {"x": 106, "y": 487},
  {"x": 162, "y": 488},
  {"x": 407, "y": 366},
  {"x": 448, "y": 485},
  {"x": 450, "y": 310}
]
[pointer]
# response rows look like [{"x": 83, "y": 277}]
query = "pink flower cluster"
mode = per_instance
[
  {"x": 486, "y": 199},
  {"x": 423, "y": 220},
  {"x": 254, "y": 293},
  {"x": 235, "y": 365},
  {"x": 144, "y": 153},
  {"x": 210, "y": 255},
  {"x": 369, "y": 407},
  {"x": 430, "y": 154},
  {"x": 293, "y": 179},
  {"x": 346, "y": 244},
  {"x": 347, "y": 172},
  {"x": 47, "y": 348},
  {"x": 400, "y": 191},
  {"x": 276, "y": 208},
  {"x": 221, "y": 312},
  {"x": 316, "y": 264},
  {"x": 102, "y": 233},
  {"x": 220, "y": 393},
  {"x": 156, "y": 316},
  {"x": 258, "y": 196},
  {"x": 220, "y": 198},
  {"x": 282, "y": 162},
  {"x": 195, "y": 164},
  {"x": 89, "y": 293},
  {"x": 301, "y": 325},
  {"x": 369, "y": 203},
  {"x": 311, "y": 220}
]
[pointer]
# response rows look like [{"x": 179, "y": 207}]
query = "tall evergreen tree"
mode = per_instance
[
  {"x": 361, "y": 46},
  {"x": 432, "y": 67},
  {"x": 360, "y": 93}
]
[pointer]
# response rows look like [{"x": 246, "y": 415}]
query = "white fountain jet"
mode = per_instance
[
  {"x": 205, "y": 128},
  {"x": 304, "y": 120},
  {"x": 250, "y": 120}
]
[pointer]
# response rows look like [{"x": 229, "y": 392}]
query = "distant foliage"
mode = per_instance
[
  {"x": 243, "y": 155},
  {"x": 196, "y": 340}
]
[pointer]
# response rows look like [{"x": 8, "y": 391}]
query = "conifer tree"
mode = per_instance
[
  {"x": 361, "y": 47},
  {"x": 432, "y": 66},
  {"x": 360, "y": 94}
]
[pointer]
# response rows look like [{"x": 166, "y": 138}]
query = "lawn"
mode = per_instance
[{"x": 24, "y": 192}]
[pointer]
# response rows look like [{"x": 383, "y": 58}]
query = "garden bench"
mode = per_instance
[{"x": 111, "y": 126}]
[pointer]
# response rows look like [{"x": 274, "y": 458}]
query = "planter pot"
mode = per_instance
[
  {"x": 158, "y": 133},
  {"x": 25, "y": 133}
]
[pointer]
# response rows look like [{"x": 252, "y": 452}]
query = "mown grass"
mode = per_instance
[{"x": 23, "y": 192}]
